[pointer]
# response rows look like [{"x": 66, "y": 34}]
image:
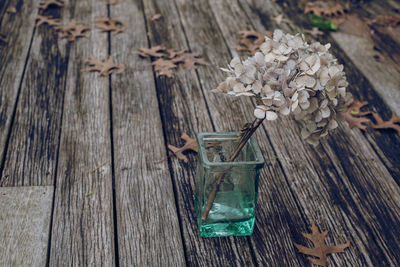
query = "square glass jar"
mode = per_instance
[{"x": 234, "y": 207}]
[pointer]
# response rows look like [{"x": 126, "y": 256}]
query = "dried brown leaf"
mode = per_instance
[
  {"x": 49, "y": 20},
  {"x": 172, "y": 53},
  {"x": 190, "y": 144},
  {"x": 189, "y": 60},
  {"x": 73, "y": 30},
  {"x": 279, "y": 19},
  {"x": 110, "y": 25},
  {"x": 45, "y": 4},
  {"x": 354, "y": 109},
  {"x": 105, "y": 67},
  {"x": 320, "y": 249},
  {"x": 250, "y": 41},
  {"x": 155, "y": 51},
  {"x": 390, "y": 124},
  {"x": 333, "y": 10},
  {"x": 164, "y": 67},
  {"x": 385, "y": 20},
  {"x": 156, "y": 17}
]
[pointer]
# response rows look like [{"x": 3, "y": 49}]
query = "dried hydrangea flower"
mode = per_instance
[{"x": 290, "y": 76}]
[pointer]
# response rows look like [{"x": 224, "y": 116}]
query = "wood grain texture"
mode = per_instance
[
  {"x": 25, "y": 225},
  {"x": 32, "y": 151},
  {"x": 18, "y": 29},
  {"x": 311, "y": 166},
  {"x": 82, "y": 232},
  {"x": 147, "y": 219},
  {"x": 277, "y": 212},
  {"x": 384, "y": 77},
  {"x": 183, "y": 109}
]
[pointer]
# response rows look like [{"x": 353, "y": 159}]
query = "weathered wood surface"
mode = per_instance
[
  {"x": 83, "y": 231},
  {"x": 34, "y": 139},
  {"x": 25, "y": 225},
  {"x": 121, "y": 199},
  {"x": 183, "y": 109},
  {"x": 145, "y": 201},
  {"x": 18, "y": 29}
]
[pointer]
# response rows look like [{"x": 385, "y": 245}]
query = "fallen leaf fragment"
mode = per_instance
[
  {"x": 390, "y": 124},
  {"x": 250, "y": 41},
  {"x": 46, "y": 20},
  {"x": 190, "y": 144},
  {"x": 45, "y": 4},
  {"x": 110, "y": 25},
  {"x": 385, "y": 20},
  {"x": 314, "y": 32},
  {"x": 279, "y": 19},
  {"x": 155, "y": 51},
  {"x": 73, "y": 30},
  {"x": 164, "y": 67},
  {"x": 105, "y": 67},
  {"x": 320, "y": 249},
  {"x": 354, "y": 109},
  {"x": 156, "y": 17},
  {"x": 189, "y": 60}
]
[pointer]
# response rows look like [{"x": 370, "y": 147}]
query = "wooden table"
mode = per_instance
[{"x": 100, "y": 142}]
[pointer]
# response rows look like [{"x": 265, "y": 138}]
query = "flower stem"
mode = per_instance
[{"x": 243, "y": 141}]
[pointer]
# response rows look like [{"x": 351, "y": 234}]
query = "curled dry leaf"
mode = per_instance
[
  {"x": 190, "y": 144},
  {"x": 250, "y": 41},
  {"x": 156, "y": 17},
  {"x": 354, "y": 109},
  {"x": 390, "y": 124},
  {"x": 110, "y": 25},
  {"x": 45, "y": 4},
  {"x": 155, "y": 51},
  {"x": 46, "y": 20},
  {"x": 279, "y": 19},
  {"x": 189, "y": 60},
  {"x": 105, "y": 67},
  {"x": 164, "y": 67},
  {"x": 320, "y": 249},
  {"x": 332, "y": 10},
  {"x": 73, "y": 30}
]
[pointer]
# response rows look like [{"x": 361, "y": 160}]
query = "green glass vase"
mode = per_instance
[{"x": 233, "y": 210}]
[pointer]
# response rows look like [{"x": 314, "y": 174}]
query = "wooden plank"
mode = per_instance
[
  {"x": 148, "y": 224},
  {"x": 82, "y": 232},
  {"x": 25, "y": 225},
  {"x": 278, "y": 220},
  {"x": 18, "y": 29},
  {"x": 183, "y": 109},
  {"x": 33, "y": 144},
  {"x": 316, "y": 197},
  {"x": 384, "y": 77}
]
